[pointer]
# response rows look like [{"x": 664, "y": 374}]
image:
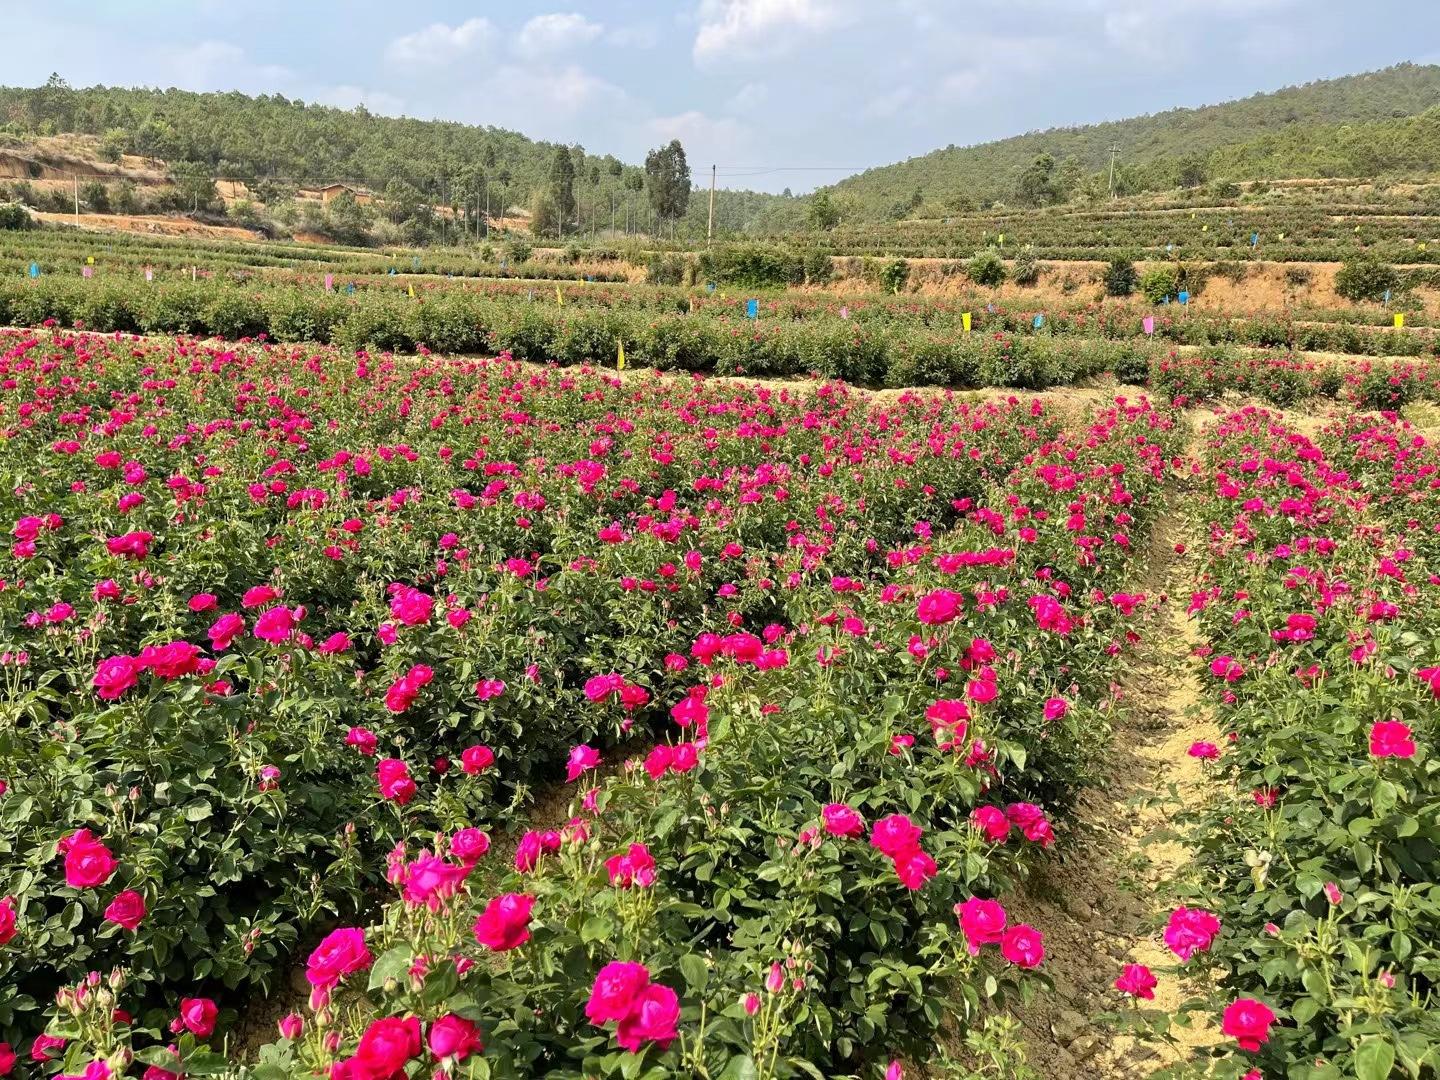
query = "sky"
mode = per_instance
[{"x": 776, "y": 93}]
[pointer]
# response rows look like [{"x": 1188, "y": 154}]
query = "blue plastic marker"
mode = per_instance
[
  {"x": 752, "y": 309},
  {"x": 34, "y": 269},
  {"x": 1184, "y": 297},
  {"x": 1039, "y": 321},
  {"x": 710, "y": 286}
]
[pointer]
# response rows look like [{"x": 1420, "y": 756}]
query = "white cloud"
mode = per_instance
[
  {"x": 219, "y": 65},
  {"x": 639, "y": 36},
  {"x": 440, "y": 43},
  {"x": 762, "y": 27},
  {"x": 346, "y": 96},
  {"x": 558, "y": 32},
  {"x": 888, "y": 105},
  {"x": 705, "y": 138},
  {"x": 750, "y": 96}
]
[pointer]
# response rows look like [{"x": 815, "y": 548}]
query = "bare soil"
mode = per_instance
[{"x": 1103, "y": 900}]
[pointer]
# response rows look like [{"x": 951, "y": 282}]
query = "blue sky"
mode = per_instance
[{"x": 777, "y": 92}]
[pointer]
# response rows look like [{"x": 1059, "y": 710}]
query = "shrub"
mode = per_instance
[
  {"x": 1365, "y": 279},
  {"x": 13, "y": 216},
  {"x": 1027, "y": 268},
  {"x": 1161, "y": 281},
  {"x": 895, "y": 275},
  {"x": 986, "y": 269},
  {"x": 1120, "y": 277},
  {"x": 663, "y": 269},
  {"x": 518, "y": 249}
]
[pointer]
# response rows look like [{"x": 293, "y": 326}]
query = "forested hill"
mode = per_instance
[
  {"x": 1360, "y": 125},
  {"x": 236, "y": 136}
]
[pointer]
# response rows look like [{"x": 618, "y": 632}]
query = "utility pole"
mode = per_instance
[
  {"x": 1114, "y": 153},
  {"x": 77, "y": 197},
  {"x": 710, "y": 221},
  {"x": 612, "y": 214}
]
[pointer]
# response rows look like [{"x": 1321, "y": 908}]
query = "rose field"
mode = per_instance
[{"x": 372, "y": 715}]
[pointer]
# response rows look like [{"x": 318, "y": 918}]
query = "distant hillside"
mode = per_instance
[
  {"x": 1360, "y": 125},
  {"x": 275, "y": 143}
]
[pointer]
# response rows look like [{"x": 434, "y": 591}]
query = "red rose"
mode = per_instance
[
  {"x": 88, "y": 862},
  {"x": 197, "y": 1015},
  {"x": 127, "y": 909},
  {"x": 505, "y": 922},
  {"x": 454, "y": 1037},
  {"x": 114, "y": 676},
  {"x": 342, "y": 953},
  {"x": 387, "y": 1045}
]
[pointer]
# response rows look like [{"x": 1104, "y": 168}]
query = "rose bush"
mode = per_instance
[{"x": 821, "y": 671}]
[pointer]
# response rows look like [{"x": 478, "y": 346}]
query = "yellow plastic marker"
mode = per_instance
[
  {"x": 89, "y": 260},
  {"x": 1002, "y": 239},
  {"x": 965, "y": 321},
  {"x": 620, "y": 360},
  {"x": 1204, "y": 228},
  {"x": 1399, "y": 320},
  {"x": 559, "y": 297},
  {"x": 411, "y": 291}
]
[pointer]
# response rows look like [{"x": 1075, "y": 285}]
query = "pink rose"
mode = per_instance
[
  {"x": 396, "y": 785},
  {"x": 653, "y": 1019},
  {"x": 476, "y": 759},
  {"x": 88, "y": 862},
  {"x": 454, "y": 1037},
  {"x": 616, "y": 991},
  {"x": 1248, "y": 1022},
  {"x": 386, "y": 1046},
  {"x": 114, "y": 676},
  {"x": 981, "y": 921},
  {"x": 1022, "y": 946},
  {"x": 842, "y": 820},
  {"x": 1391, "y": 739},
  {"x": 126, "y": 910},
  {"x": 1137, "y": 981},
  {"x": 197, "y": 1016},
  {"x": 894, "y": 834},
  {"x": 341, "y": 953},
  {"x": 505, "y": 922}
]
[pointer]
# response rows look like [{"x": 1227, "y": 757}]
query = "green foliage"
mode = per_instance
[
  {"x": 518, "y": 249},
  {"x": 823, "y": 213},
  {"x": 193, "y": 184},
  {"x": 1026, "y": 269},
  {"x": 1365, "y": 279},
  {"x": 13, "y": 216},
  {"x": 1160, "y": 281},
  {"x": 1360, "y": 125},
  {"x": 1036, "y": 186},
  {"x": 561, "y": 193},
  {"x": 986, "y": 269},
  {"x": 667, "y": 179},
  {"x": 1120, "y": 278},
  {"x": 895, "y": 275},
  {"x": 665, "y": 269},
  {"x": 755, "y": 266}
]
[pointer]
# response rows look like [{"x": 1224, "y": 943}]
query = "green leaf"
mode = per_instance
[
  {"x": 596, "y": 928},
  {"x": 197, "y": 810},
  {"x": 392, "y": 964},
  {"x": 739, "y": 1067},
  {"x": 696, "y": 972},
  {"x": 1374, "y": 1059}
]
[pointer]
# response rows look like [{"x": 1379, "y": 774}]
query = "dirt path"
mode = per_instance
[{"x": 1102, "y": 902}]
